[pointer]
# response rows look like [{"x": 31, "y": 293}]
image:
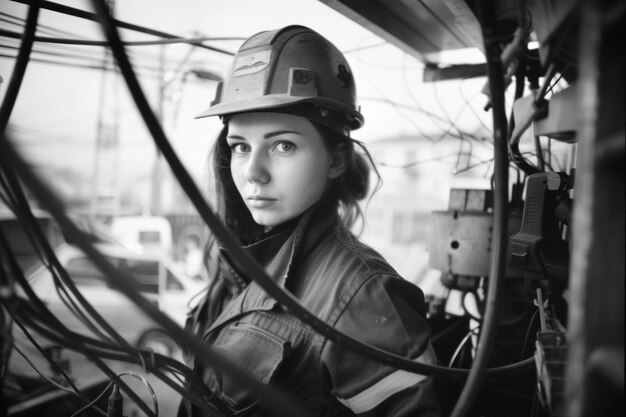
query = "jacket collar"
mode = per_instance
[
  {"x": 277, "y": 250},
  {"x": 278, "y": 254}
]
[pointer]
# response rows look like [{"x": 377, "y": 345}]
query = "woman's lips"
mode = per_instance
[{"x": 260, "y": 201}]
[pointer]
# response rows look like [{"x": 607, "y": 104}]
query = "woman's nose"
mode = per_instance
[{"x": 256, "y": 169}]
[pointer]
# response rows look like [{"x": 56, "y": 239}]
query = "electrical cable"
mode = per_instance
[
  {"x": 469, "y": 154},
  {"x": 85, "y": 344},
  {"x": 445, "y": 332},
  {"x": 461, "y": 344},
  {"x": 514, "y": 138},
  {"x": 562, "y": 73},
  {"x": 94, "y": 348},
  {"x": 397, "y": 107},
  {"x": 362, "y": 48},
  {"x": 44, "y": 251},
  {"x": 497, "y": 263},
  {"x": 36, "y": 344},
  {"x": 88, "y": 42},
  {"x": 304, "y": 316},
  {"x": 74, "y": 389},
  {"x": 412, "y": 108},
  {"x": 107, "y": 268},
  {"x": 516, "y": 157},
  {"x": 5, "y": 350},
  {"x": 8, "y": 21},
  {"x": 44, "y": 377},
  {"x": 61, "y": 341},
  {"x": 466, "y": 310},
  {"x": 5, "y": 112},
  {"x": 148, "y": 386},
  {"x": 89, "y": 347},
  {"x": 62, "y": 49},
  {"x": 411, "y": 362},
  {"x": 11, "y": 19},
  {"x": 248, "y": 267},
  {"x": 93, "y": 17},
  {"x": 129, "y": 373},
  {"x": 539, "y": 152},
  {"x": 20, "y": 67},
  {"x": 451, "y": 122},
  {"x": 425, "y": 161},
  {"x": 527, "y": 335},
  {"x": 5, "y": 198},
  {"x": 541, "y": 93},
  {"x": 434, "y": 118},
  {"x": 94, "y": 401},
  {"x": 69, "y": 59},
  {"x": 73, "y": 306},
  {"x": 7, "y": 292},
  {"x": 36, "y": 305},
  {"x": 446, "y": 118},
  {"x": 468, "y": 105},
  {"x": 19, "y": 21},
  {"x": 35, "y": 234},
  {"x": 60, "y": 57},
  {"x": 514, "y": 49},
  {"x": 38, "y": 240},
  {"x": 127, "y": 349},
  {"x": 13, "y": 204},
  {"x": 123, "y": 281},
  {"x": 469, "y": 167}
]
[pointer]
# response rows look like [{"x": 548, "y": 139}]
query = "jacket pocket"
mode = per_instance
[{"x": 256, "y": 352}]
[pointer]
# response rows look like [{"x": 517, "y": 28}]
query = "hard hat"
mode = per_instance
[{"x": 294, "y": 70}]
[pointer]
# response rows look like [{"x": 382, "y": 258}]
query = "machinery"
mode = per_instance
[{"x": 563, "y": 257}]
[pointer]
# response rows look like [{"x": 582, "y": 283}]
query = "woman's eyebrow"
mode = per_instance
[
  {"x": 279, "y": 132},
  {"x": 265, "y": 136},
  {"x": 236, "y": 137}
]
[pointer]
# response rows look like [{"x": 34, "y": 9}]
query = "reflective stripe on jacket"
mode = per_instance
[{"x": 351, "y": 287}]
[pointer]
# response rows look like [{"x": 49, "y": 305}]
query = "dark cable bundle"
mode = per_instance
[{"x": 35, "y": 315}]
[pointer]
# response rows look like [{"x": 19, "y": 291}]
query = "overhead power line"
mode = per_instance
[
  {"x": 55, "y": 7},
  {"x": 71, "y": 41}
]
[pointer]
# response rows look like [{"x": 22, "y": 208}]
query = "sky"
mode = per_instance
[
  {"x": 56, "y": 116},
  {"x": 55, "y": 120}
]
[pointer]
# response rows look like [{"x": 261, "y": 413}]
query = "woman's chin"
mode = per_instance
[{"x": 265, "y": 220}]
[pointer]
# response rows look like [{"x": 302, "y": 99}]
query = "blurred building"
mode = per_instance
[{"x": 417, "y": 175}]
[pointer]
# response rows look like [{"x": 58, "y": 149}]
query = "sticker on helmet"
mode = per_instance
[
  {"x": 345, "y": 75},
  {"x": 251, "y": 63},
  {"x": 301, "y": 82}
]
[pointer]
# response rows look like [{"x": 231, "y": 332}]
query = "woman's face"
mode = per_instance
[{"x": 279, "y": 164}]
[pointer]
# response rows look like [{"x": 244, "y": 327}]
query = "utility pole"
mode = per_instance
[
  {"x": 167, "y": 78},
  {"x": 105, "y": 202},
  {"x": 157, "y": 170}
]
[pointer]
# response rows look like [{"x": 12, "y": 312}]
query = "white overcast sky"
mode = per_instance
[{"x": 56, "y": 114}]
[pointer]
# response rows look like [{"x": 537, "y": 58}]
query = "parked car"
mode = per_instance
[
  {"x": 158, "y": 279},
  {"x": 27, "y": 254}
]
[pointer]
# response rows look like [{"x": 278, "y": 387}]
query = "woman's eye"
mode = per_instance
[
  {"x": 239, "y": 148},
  {"x": 284, "y": 147}
]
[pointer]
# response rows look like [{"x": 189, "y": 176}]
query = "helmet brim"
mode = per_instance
[{"x": 274, "y": 101}]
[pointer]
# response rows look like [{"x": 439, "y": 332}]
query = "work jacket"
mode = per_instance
[{"x": 346, "y": 284}]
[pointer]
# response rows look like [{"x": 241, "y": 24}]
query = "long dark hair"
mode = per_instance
[{"x": 343, "y": 193}]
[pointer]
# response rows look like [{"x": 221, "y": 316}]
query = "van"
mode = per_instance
[{"x": 151, "y": 235}]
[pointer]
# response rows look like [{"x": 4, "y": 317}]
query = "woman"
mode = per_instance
[{"x": 288, "y": 179}]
